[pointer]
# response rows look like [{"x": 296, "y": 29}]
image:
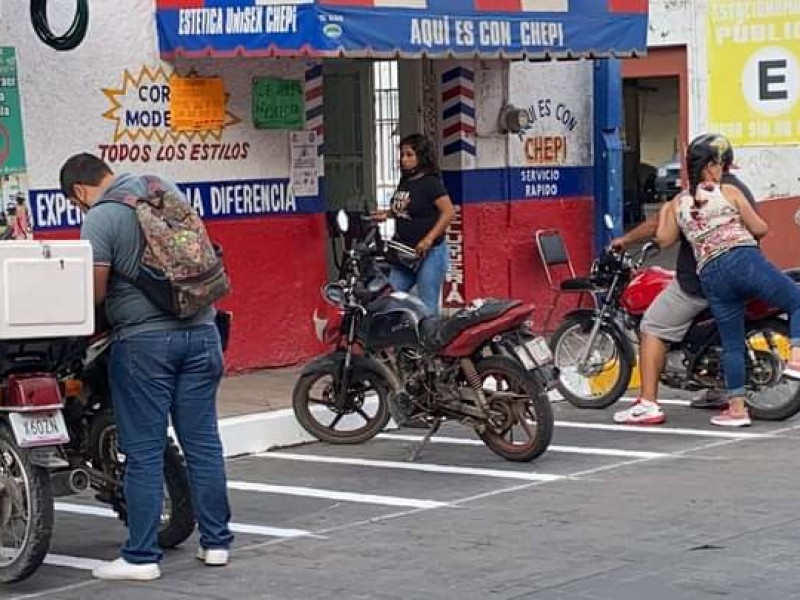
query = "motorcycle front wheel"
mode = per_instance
[
  {"x": 520, "y": 425},
  {"x": 605, "y": 376},
  {"x": 177, "y": 517},
  {"x": 26, "y": 511},
  {"x": 364, "y": 414}
]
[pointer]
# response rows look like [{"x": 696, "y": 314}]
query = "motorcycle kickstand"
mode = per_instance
[{"x": 417, "y": 447}]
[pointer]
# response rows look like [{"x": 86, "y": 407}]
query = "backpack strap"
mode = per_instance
[{"x": 154, "y": 187}]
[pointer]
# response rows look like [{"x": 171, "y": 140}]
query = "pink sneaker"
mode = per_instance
[
  {"x": 641, "y": 412},
  {"x": 792, "y": 371},
  {"x": 727, "y": 419}
]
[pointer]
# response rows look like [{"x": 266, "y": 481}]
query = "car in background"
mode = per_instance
[{"x": 668, "y": 180}]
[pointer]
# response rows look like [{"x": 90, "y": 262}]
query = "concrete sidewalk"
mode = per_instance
[{"x": 257, "y": 391}]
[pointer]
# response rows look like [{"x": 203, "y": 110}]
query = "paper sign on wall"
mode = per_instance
[
  {"x": 12, "y": 146},
  {"x": 278, "y": 103},
  {"x": 197, "y": 103},
  {"x": 305, "y": 170}
]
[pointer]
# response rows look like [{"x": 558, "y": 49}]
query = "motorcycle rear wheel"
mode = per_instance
[
  {"x": 177, "y": 519},
  {"x": 362, "y": 384},
  {"x": 531, "y": 417},
  {"x": 611, "y": 369},
  {"x": 780, "y": 400},
  {"x": 25, "y": 495}
]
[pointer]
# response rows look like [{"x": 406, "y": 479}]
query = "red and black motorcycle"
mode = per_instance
[
  {"x": 595, "y": 349},
  {"x": 482, "y": 367}
]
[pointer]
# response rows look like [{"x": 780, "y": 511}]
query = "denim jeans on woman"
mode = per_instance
[
  {"x": 429, "y": 278},
  {"x": 728, "y": 281},
  {"x": 154, "y": 375}
]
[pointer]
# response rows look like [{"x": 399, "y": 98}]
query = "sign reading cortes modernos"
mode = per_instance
[
  {"x": 142, "y": 125},
  {"x": 754, "y": 71}
]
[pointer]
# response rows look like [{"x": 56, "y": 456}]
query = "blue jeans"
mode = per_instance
[
  {"x": 154, "y": 375},
  {"x": 728, "y": 281},
  {"x": 429, "y": 278}
]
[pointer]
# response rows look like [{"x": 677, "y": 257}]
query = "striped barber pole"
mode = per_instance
[
  {"x": 378, "y": 3},
  {"x": 315, "y": 119},
  {"x": 458, "y": 112},
  {"x": 522, "y": 5}
]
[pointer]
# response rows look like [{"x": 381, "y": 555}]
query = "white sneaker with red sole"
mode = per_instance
[{"x": 641, "y": 412}]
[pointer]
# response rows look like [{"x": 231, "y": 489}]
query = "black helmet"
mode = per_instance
[
  {"x": 705, "y": 149},
  {"x": 710, "y": 147}
]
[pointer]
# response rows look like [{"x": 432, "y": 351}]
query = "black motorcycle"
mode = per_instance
[{"x": 483, "y": 367}]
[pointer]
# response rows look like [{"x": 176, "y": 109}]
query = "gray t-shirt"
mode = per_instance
[{"x": 113, "y": 231}]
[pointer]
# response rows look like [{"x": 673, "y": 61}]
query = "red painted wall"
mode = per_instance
[
  {"x": 501, "y": 258},
  {"x": 277, "y": 266},
  {"x": 782, "y": 244}
]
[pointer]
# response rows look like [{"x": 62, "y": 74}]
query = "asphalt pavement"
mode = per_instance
[{"x": 680, "y": 511}]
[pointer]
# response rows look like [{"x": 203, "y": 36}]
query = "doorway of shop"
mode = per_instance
[{"x": 364, "y": 114}]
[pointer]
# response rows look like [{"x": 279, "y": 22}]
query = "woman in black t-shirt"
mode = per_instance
[{"x": 422, "y": 211}]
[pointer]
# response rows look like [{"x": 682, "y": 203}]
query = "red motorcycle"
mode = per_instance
[
  {"x": 595, "y": 349},
  {"x": 482, "y": 367}
]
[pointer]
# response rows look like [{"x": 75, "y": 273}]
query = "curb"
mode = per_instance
[{"x": 259, "y": 432}]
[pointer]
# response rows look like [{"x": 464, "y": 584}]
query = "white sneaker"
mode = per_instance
[
  {"x": 792, "y": 371},
  {"x": 122, "y": 570},
  {"x": 641, "y": 412},
  {"x": 213, "y": 557}
]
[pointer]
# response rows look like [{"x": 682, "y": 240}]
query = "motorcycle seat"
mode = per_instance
[
  {"x": 438, "y": 332},
  {"x": 577, "y": 284}
]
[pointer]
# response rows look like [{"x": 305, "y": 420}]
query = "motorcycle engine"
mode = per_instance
[{"x": 708, "y": 368}]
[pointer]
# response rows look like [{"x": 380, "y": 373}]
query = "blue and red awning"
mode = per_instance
[{"x": 402, "y": 28}]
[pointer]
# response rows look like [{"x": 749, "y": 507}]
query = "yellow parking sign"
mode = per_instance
[{"x": 754, "y": 71}]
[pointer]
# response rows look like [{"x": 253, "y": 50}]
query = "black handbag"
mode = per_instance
[{"x": 402, "y": 255}]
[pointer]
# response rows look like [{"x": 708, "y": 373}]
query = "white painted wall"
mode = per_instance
[
  {"x": 558, "y": 97},
  {"x": 76, "y": 101},
  {"x": 669, "y": 23}
]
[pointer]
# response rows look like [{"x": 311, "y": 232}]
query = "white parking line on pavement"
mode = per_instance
[
  {"x": 405, "y": 466},
  {"x": 72, "y": 562},
  {"x": 246, "y": 486},
  {"x": 664, "y": 430},
  {"x": 99, "y": 511},
  {"x": 667, "y": 402},
  {"x": 554, "y": 448}
]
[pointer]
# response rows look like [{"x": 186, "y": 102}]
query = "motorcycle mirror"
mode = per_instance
[
  {"x": 649, "y": 250},
  {"x": 342, "y": 221},
  {"x": 609, "y": 222}
]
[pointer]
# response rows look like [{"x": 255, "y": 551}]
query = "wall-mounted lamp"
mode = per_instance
[{"x": 513, "y": 119}]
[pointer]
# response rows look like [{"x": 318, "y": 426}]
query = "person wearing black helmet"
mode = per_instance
[
  {"x": 670, "y": 316},
  {"x": 723, "y": 228}
]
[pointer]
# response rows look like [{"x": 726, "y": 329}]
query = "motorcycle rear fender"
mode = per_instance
[
  {"x": 590, "y": 314},
  {"x": 361, "y": 364}
]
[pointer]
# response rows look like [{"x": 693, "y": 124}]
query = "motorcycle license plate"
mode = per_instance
[
  {"x": 538, "y": 350},
  {"x": 39, "y": 428}
]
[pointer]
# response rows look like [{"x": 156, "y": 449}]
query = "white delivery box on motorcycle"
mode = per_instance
[{"x": 46, "y": 289}]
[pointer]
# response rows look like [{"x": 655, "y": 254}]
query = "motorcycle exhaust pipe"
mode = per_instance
[{"x": 69, "y": 483}]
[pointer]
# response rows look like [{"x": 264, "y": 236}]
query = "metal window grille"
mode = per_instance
[{"x": 387, "y": 118}]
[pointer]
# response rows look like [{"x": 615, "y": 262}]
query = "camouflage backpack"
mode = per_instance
[{"x": 180, "y": 271}]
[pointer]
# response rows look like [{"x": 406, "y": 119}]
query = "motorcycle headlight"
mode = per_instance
[{"x": 334, "y": 294}]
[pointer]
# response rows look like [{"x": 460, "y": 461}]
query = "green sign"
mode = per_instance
[
  {"x": 278, "y": 103},
  {"x": 12, "y": 145}
]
